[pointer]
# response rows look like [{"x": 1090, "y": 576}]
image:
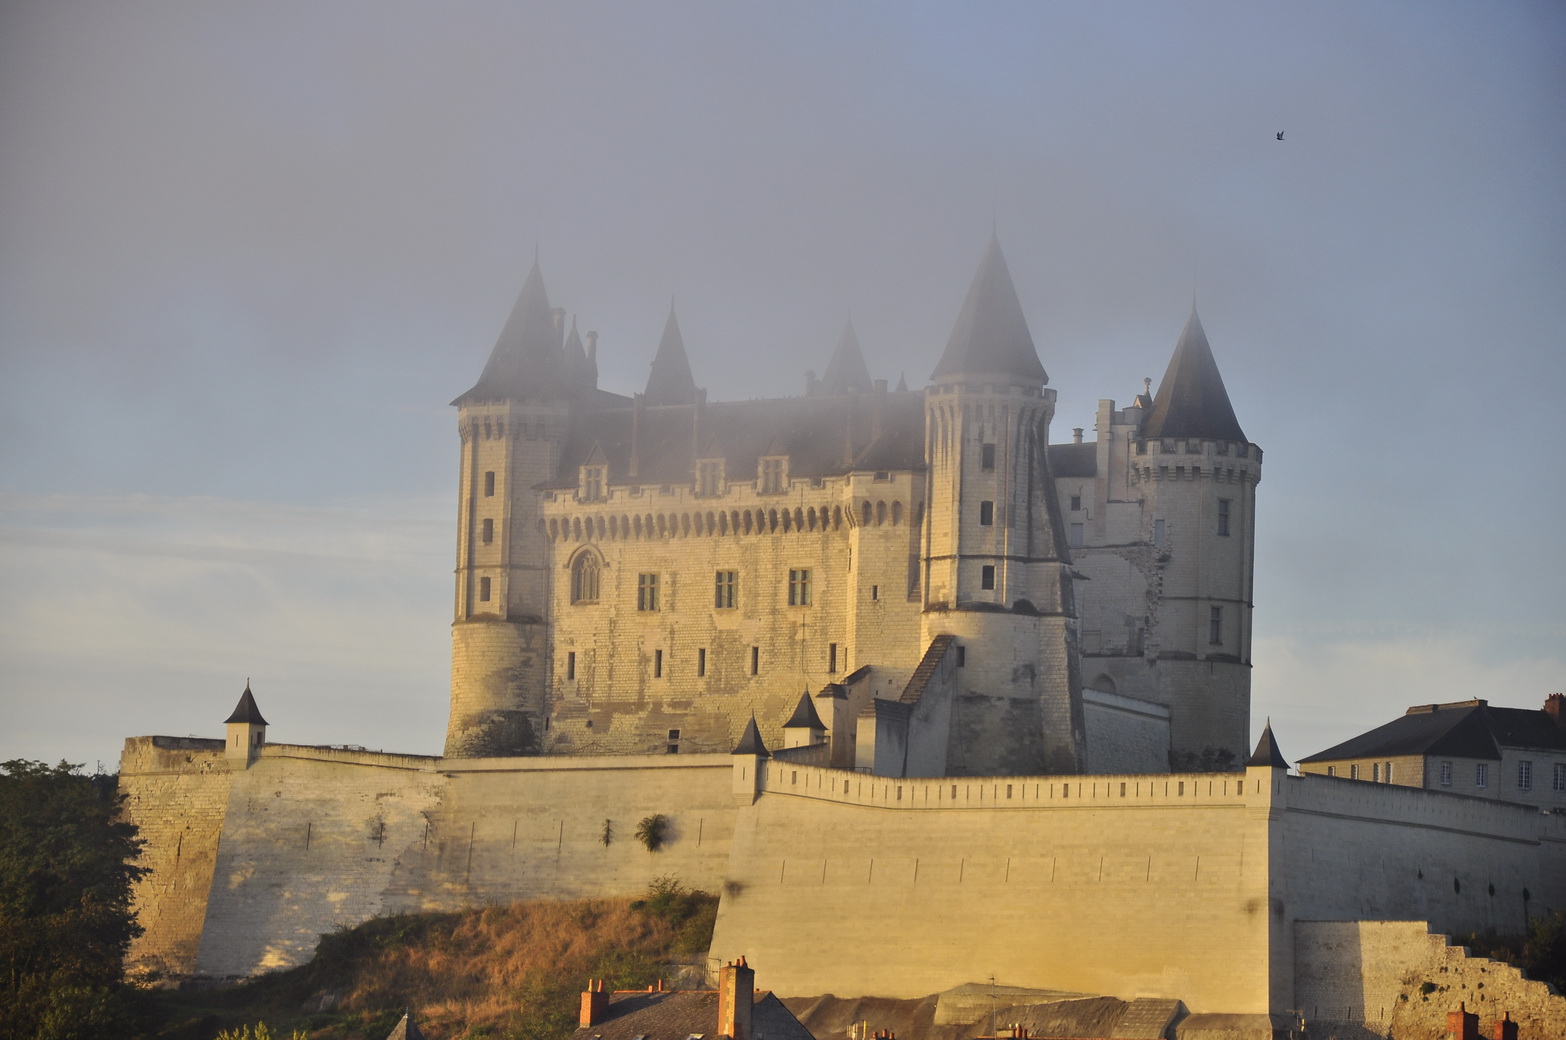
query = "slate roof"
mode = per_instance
[
  {"x": 847, "y": 372},
  {"x": 246, "y": 710},
  {"x": 750, "y": 742},
  {"x": 528, "y": 358},
  {"x": 1466, "y": 729},
  {"x": 1073, "y": 460},
  {"x": 991, "y": 333},
  {"x": 1191, "y": 400},
  {"x": 679, "y": 1014},
  {"x": 670, "y": 380},
  {"x": 804, "y": 716},
  {"x": 1267, "y": 753}
]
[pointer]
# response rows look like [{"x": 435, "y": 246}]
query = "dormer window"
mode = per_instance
[
  {"x": 592, "y": 483},
  {"x": 773, "y": 476},
  {"x": 709, "y": 478}
]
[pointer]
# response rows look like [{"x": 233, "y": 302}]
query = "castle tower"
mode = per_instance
[
  {"x": 1197, "y": 475},
  {"x": 513, "y": 425},
  {"x": 996, "y": 567},
  {"x": 244, "y": 730}
]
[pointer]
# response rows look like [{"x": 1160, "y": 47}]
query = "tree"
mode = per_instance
[{"x": 65, "y": 914}]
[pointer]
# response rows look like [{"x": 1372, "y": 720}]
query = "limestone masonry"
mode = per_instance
[{"x": 927, "y": 699}]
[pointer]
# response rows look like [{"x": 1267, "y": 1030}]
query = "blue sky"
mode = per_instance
[{"x": 249, "y": 251}]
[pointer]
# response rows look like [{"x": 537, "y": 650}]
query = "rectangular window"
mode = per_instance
[
  {"x": 986, "y": 514},
  {"x": 1332, "y": 770},
  {"x": 657, "y": 664},
  {"x": 489, "y": 531},
  {"x": 962, "y": 656},
  {"x": 987, "y": 456},
  {"x": 647, "y": 592},
  {"x": 1158, "y": 534},
  {"x": 571, "y": 664},
  {"x": 1354, "y": 771},
  {"x": 1215, "y": 626},
  {"x": 1482, "y": 775},
  {"x": 1076, "y": 536},
  {"x": 724, "y": 585},
  {"x": 484, "y": 590},
  {"x": 489, "y": 484},
  {"x": 755, "y": 660},
  {"x": 1558, "y": 777},
  {"x": 987, "y": 576},
  {"x": 799, "y": 588},
  {"x": 831, "y": 657},
  {"x": 1525, "y": 776},
  {"x": 673, "y": 749},
  {"x": 592, "y": 483},
  {"x": 708, "y": 474},
  {"x": 1389, "y": 772},
  {"x": 771, "y": 476},
  {"x": 1446, "y": 774},
  {"x": 1223, "y": 517},
  {"x": 1076, "y": 503},
  {"x": 875, "y": 593},
  {"x": 701, "y": 661}
]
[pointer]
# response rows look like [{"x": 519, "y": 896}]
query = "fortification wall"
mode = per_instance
[{"x": 1123, "y": 885}]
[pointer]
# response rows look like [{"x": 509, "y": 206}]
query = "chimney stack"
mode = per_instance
[
  {"x": 1076, "y": 435},
  {"x": 1555, "y": 708},
  {"x": 736, "y": 995},
  {"x": 1505, "y": 1028},
  {"x": 595, "y": 1003},
  {"x": 1462, "y": 1024}
]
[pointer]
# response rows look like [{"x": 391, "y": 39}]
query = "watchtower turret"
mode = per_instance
[
  {"x": 244, "y": 730},
  {"x": 996, "y": 567}
]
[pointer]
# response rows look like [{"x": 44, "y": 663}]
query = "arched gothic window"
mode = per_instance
[{"x": 584, "y": 578}]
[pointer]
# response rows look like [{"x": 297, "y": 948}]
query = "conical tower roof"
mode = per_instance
[
  {"x": 406, "y": 1029},
  {"x": 991, "y": 333},
  {"x": 574, "y": 359},
  {"x": 1267, "y": 754},
  {"x": 246, "y": 710},
  {"x": 1191, "y": 401},
  {"x": 805, "y": 716},
  {"x": 670, "y": 381},
  {"x": 847, "y": 373},
  {"x": 526, "y": 361},
  {"x": 750, "y": 742}
]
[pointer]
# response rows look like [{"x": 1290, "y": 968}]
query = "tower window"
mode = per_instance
[
  {"x": 489, "y": 484},
  {"x": 799, "y": 588},
  {"x": 571, "y": 664},
  {"x": 724, "y": 585},
  {"x": 755, "y": 660},
  {"x": 986, "y": 514},
  {"x": 489, "y": 531},
  {"x": 657, "y": 664},
  {"x": 875, "y": 593},
  {"x": 987, "y": 576},
  {"x": 987, "y": 456},
  {"x": 584, "y": 578},
  {"x": 831, "y": 657},
  {"x": 1223, "y": 517},
  {"x": 1215, "y": 626},
  {"x": 647, "y": 592},
  {"x": 484, "y": 590},
  {"x": 962, "y": 656},
  {"x": 701, "y": 661},
  {"x": 1158, "y": 533}
]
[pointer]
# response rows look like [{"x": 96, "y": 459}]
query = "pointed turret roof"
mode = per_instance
[
  {"x": 406, "y": 1029},
  {"x": 805, "y": 716},
  {"x": 670, "y": 381},
  {"x": 526, "y": 359},
  {"x": 246, "y": 710},
  {"x": 991, "y": 333},
  {"x": 846, "y": 373},
  {"x": 579, "y": 368},
  {"x": 750, "y": 742},
  {"x": 1267, "y": 754},
  {"x": 1191, "y": 400},
  {"x": 902, "y": 383}
]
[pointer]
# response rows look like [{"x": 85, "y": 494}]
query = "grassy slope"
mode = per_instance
[{"x": 503, "y": 972}]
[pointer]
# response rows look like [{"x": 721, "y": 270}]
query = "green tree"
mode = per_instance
[{"x": 65, "y": 916}]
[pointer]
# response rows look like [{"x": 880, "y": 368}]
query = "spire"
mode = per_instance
[
  {"x": 670, "y": 381},
  {"x": 992, "y": 334},
  {"x": 750, "y": 742},
  {"x": 805, "y": 716},
  {"x": 526, "y": 359},
  {"x": 406, "y": 1029},
  {"x": 1191, "y": 400},
  {"x": 1267, "y": 754},
  {"x": 577, "y": 366},
  {"x": 846, "y": 373},
  {"x": 246, "y": 711},
  {"x": 902, "y": 383}
]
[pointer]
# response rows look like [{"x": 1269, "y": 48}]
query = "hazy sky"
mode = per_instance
[{"x": 249, "y": 251}]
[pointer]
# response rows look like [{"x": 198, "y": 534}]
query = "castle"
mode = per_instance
[
  {"x": 886, "y": 664},
  {"x": 641, "y": 575}
]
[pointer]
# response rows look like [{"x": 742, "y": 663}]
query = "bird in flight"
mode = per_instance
[{"x": 1280, "y": 135}]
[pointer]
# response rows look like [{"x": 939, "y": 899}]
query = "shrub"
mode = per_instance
[{"x": 653, "y": 831}]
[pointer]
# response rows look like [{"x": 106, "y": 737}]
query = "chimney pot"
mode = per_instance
[{"x": 1076, "y": 435}]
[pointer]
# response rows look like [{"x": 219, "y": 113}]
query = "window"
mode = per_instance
[
  {"x": 1354, "y": 771},
  {"x": 987, "y": 576},
  {"x": 799, "y": 588},
  {"x": 584, "y": 578},
  {"x": 1389, "y": 772},
  {"x": 1446, "y": 774},
  {"x": 489, "y": 532},
  {"x": 1375, "y": 772},
  {"x": 1158, "y": 533},
  {"x": 489, "y": 484},
  {"x": 723, "y": 587},
  {"x": 987, "y": 456},
  {"x": 1558, "y": 777},
  {"x": 701, "y": 661},
  {"x": 657, "y": 664},
  {"x": 1076, "y": 503},
  {"x": 755, "y": 660},
  {"x": 647, "y": 592},
  {"x": 709, "y": 476},
  {"x": 592, "y": 483},
  {"x": 1223, "y": 517},
  {"x": 1332, "y": 770},
  {"x": 986, "y": 514},
  {"x": 571, "y": 664},
  {"x": 1076, "y": 536},
  {"x": 484, "y": 590},
  {"x": 962, "y": 656},
  {"x": 1525, "y": 776},
  {"x": 771, "y": 476},
  {"x": 831, "y": 657},
  {"x": 1215, "y": 626},
  {"x": 875, "y": 593},
  {"x": 1482, "y": 775}
]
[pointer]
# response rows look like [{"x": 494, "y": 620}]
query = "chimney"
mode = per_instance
[
  {"x": 1076, "y": 435},
  {"x": 1505, "y": 1028},
  {"x": 736, "y": 994},
  {"x": 1462, "y": 1024},
  {"x": 1555, "y": 708},
  {"x": 595, "y": 1003}
]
